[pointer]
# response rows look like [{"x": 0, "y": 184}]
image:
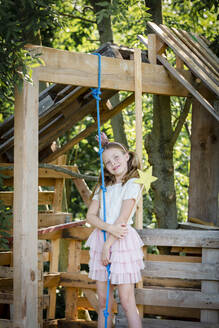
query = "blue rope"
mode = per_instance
[{"x": 96, "y": 94}]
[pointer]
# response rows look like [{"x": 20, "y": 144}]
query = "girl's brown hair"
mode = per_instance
[{"x": 133, "y": 165}]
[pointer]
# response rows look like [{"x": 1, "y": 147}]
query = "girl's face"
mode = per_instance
[{"x": 116, "y": 162}]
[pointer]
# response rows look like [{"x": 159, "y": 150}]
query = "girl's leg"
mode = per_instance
[
  {"x": 101, "y": 292},
  {"x": 127, "y": 299}
]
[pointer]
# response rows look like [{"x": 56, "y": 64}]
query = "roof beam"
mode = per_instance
[{"x": 81, "y": 69}]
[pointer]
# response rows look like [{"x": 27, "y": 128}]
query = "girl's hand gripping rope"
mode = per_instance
[{"x": 106, "y": 254}]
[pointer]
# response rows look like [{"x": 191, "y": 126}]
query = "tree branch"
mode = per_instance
[
  {"x": 77, "y": 17},
  {"x": 181, "y": 121}
]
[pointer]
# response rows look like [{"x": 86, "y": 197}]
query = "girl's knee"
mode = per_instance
[{"x": 102, "y": 302}]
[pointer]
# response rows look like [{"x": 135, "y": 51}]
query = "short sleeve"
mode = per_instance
[
  {"x": 132, "y": 189},
  {"x": 96, "y": 195}
]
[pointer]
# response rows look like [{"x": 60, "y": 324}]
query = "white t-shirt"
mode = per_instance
[{"x": 114, "y": 196}]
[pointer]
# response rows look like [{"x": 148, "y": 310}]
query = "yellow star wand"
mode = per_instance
[{"x": 146, "y": 178}]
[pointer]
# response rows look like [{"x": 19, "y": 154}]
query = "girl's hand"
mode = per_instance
[
  {"x": 119, "y": 230},
  {"x": 106, "y": 254}
]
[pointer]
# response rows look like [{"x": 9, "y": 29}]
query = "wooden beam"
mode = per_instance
[
  {"x": 45, "y": 197},
  {"x": 26, "y": 205},
  {"x": 81, "y": 69},
  {"x": 172, "y": 41},
  {"x": 161, "y": 323},
  {"x": 180, "y": 237},
  {"x": 176, "y": 298},
  {"x": 178, "y": 76},
  {"x": 195, "y": 271}
]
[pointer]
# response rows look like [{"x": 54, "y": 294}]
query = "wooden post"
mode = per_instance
[
  {"x": 25, "y": 246},
  {"x": 210, "y": 287},
  {"x": 204, "y": 177},
  {"x": 152, "y": 48},
  {"x": 138, "y": 115},
  {"x": 55, "y": 244},
  {"x": 71, "y": 294}
]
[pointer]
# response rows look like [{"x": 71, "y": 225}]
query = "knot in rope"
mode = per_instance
[
  {"x": 96, "y": 93},
  {"x": 106, "y": 313}
]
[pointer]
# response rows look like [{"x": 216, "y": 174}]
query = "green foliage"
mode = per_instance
[
  {"x": 5, "y": 221},
  {"x": 193, "y": 16},
  {"x": 21, "y": 22}
]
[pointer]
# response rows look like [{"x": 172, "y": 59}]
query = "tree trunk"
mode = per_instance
[
  {"x": 160, "y": 154},
  {"x": 160, "y": 149},
  {"x": 106, "y": 35}
]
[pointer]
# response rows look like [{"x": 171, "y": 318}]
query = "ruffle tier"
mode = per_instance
[{"x": 126, "y": 258}]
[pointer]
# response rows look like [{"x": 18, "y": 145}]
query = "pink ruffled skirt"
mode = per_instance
[{"x": 126, "y": 258}]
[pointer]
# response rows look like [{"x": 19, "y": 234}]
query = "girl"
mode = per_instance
[{"x": 123, "y": 245}]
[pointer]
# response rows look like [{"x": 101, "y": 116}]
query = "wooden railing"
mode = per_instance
[{"x": 182, "y": 286}]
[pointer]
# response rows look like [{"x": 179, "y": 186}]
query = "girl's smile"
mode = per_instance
[{"x": 116, "y": 161}]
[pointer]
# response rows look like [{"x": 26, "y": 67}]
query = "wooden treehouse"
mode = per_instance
[{"x": 178, "y": 290}]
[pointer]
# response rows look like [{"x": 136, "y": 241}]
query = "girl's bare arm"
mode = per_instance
[
  {"x": 127, "y": 206},
  {"x": 117, "y": 230}
]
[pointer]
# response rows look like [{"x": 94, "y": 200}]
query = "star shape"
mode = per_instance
[{"x": 146, "y": 178}]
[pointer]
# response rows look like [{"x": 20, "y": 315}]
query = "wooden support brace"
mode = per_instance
[
  {"x": 71, "y": 294},
  {"x": 54, "y": 262}
]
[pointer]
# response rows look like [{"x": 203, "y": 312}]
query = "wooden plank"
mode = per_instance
[
  {"x": 192, "y": 52},
  {"x": 172, "y": 312},
  {"x": 180, "y": 237},
  {"x": 189, "y": 87},
  {"x": 195, "y": 271},
  {"x": 173, "y": 258},
  {"x": 4, "y": 323},
  {"x": 205, "y": 151},
  {"x": 186, "y": 250},
  {"x": 73, "y": 230},
  {"x": 210, "y": 256},
  {"x": 51, "y": 279},
  {"x": 201, "y": 50},
  {"x": 152, "y": 48},
  {"x": 47, "y": 219},
  {"x": 6, "y": 298},
  {"x": 81, "y": 69},
  {"x": 75, "y": 279},
  {"x": 6, "y": 272},
  {"x": 160, "y": 323},
  {"x": 206, "y": 47},
  {"x": 85, "y": 257},
  {"x": 45, "y": 197},
  {"x": 54, "y": 263},
  {"x": 77, "y": 233},
  {"x": 176, "y": 298},
  {"x": 161, "y": 32},
  {"x": 171, "y": 283},
  {"x": 83, "y": 189},
  {"x": 5, "y": 258},
  {"x": 26, "y": 205},
  {"x": 71, "y": 294},
  {"x": 196, "y": 226}
]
